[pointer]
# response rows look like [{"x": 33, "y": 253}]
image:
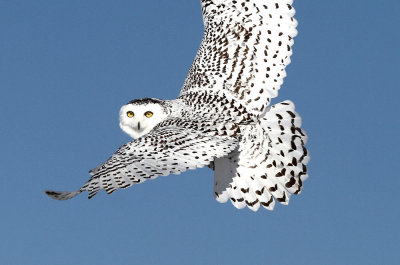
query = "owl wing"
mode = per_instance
[
  {"x": 165, "y": 150},
  {"x": 245, "y": 48}
]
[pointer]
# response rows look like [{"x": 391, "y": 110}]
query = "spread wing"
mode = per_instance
[
  {"x": 163, "y": 151},
  {"x": 245, "y": 49}
]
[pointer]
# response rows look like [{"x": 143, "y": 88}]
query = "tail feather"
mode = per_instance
[{"x": 270, "y": 163}]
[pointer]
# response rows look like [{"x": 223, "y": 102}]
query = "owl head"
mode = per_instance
[{"x": 140, "y": 116}]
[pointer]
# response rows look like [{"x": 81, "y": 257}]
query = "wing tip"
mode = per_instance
[{"x": 61, "y": 195}]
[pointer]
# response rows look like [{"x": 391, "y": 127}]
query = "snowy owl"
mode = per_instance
[{"x": 222, "y": 117}]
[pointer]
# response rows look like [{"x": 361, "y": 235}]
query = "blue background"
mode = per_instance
[{"x": 66, "y": 67}]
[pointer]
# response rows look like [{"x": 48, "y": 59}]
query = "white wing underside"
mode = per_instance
[{"x": 245, "y": 49}]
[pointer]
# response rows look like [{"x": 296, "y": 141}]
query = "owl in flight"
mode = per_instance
[{"x": 222, "y": 117}]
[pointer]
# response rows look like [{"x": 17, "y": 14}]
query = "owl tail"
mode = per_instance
[{"x": 269, "y": 164}]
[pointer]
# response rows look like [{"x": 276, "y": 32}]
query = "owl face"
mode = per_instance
[{"x": 139, "y": 117}]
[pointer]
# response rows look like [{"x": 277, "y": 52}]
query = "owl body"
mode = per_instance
[{"x": 222, "y": 117}]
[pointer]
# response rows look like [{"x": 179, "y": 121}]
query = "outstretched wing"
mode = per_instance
[
  {"x": 161, "y": 152},
  {"x": 245, "y": 49}
]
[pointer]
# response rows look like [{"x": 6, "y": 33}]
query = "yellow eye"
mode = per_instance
[
  {"x": 148, "y": 114},
  {"x": 130, "y": 114}
]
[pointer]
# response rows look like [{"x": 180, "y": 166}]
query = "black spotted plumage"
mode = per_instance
[{"x": 245, "y": 49}]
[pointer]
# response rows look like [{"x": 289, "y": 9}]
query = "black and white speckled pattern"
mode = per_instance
[
  {"x": 270, "y": 161},
  {"x": 165, "y": 150},
  {"x": 245, "y": 49}
]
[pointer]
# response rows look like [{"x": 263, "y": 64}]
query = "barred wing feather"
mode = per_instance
[
  {"x": 245, "y": 49},
  {"x": 164, "y": 151}
]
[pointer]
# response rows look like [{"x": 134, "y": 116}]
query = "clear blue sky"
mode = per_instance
[{"x": 66, "y": 67}]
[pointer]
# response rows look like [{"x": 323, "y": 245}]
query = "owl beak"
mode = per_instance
[{"x": 138, "y": 126}]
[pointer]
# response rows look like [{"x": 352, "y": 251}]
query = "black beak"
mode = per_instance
[{"x": 138, "y": 126}]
